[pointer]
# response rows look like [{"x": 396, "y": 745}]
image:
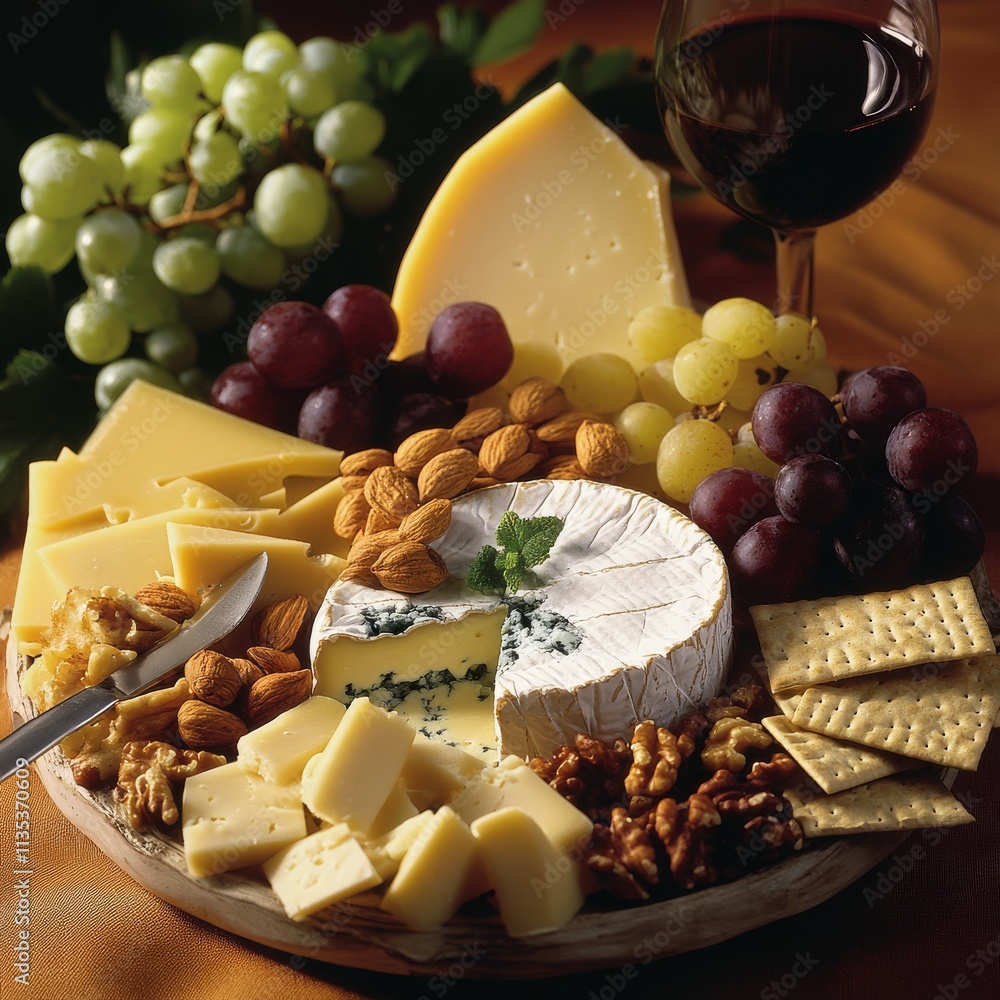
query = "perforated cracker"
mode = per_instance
[
  {"x": 900, "y": 802},
  {"x": 834, "y": 764},
  {"x": 785, "y": 701},
  {"x": 811, "y": 642},
  {"x": 940, "y": 713}
]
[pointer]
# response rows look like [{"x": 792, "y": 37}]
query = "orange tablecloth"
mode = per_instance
[{"x": 924, "y": 923}]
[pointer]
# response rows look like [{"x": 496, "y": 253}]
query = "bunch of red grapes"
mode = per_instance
[
  {"x": 325, "y": 374},
  {"x": 868, "y": 502}
]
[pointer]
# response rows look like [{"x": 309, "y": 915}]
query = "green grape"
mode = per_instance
[
  {"x": 821, "y": 377},
  {"x": 746, "y": 327},
  {"x": 199, "y": 231},
  {"x": 600, "y": 383},
  {"x": 96, "y": 331},
  {"x": 753, "y": 376},
  {"x": 207, "y": 125},
  {"x": 247, "y": 257},
  {"x": 254, "y": 104},
  {"x": 46, "y": 145},
  {"x": 108, "y": 159},
  {"x": 688, "y": 453},
  {"x": 187, "y": 266},
  {"x": 643, "y": 425},
  {"x": 349, "y": 131},
  {"x": 139, "y": 297},
  {"x": 658, "y": 332},
  {"x": 290, "y": 205},
  {"x": 114, "y": 378},
  {"x": 143, "y": 172},
  {"x": 216, "y": 160},
  {"x": 107, "y": 241},
  {"x": 168, "y": 202},
  {"x": 793, "y": 345},
  {"x": 27, "y": 200},
  {"x": 334, "y": 61},
  {"x": 63, "y": 182},
  {"x": 196, "y": 383},
  {"x": 174, "y": 346},
  {"x": 309, "y": 92},
  {"x": 208, "y": 312},
  {"x": 363, "y": 185},
  {"x": 818, "y": 342},
  {"x": 171, "y": 82},
  {"x": 270, "y": 52},
  {"x": 215, "y": 63},
  {"x": 164, "y": 130},
  {"x": 731, "y": 419},
  {"x": 656, "y": 384},
  {"x": 330, "y": 236},
  {"x": 46, "y": 243},
  {"x": 704, "y": 371},
  {"x": 746, "y": 455}
]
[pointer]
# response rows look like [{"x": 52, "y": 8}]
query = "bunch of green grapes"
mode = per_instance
[{"x": 242, "y": 163}]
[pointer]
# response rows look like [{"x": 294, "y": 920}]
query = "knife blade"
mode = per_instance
[{"x": 223, "y": 608}]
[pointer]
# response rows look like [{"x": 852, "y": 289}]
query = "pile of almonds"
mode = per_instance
[
  {"x": 233, "y": 695},
  {"x": 394, "y": 505}
]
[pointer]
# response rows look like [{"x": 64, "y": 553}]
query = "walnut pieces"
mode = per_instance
[{"x": 728, "y": 739}]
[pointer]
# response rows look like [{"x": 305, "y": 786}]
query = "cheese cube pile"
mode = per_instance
[{"x": 393, "y": 807}]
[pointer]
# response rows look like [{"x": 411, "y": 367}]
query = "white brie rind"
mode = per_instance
[{"x": 628, "y": 619}]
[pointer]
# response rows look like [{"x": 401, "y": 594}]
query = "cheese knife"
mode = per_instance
[{"x": 223, "y": 608}]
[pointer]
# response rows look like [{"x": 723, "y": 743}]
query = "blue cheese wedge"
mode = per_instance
[{"x": 628, "y": 619}]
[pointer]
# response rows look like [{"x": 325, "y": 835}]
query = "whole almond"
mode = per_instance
[
  {"x": 427, "y": 522},
  {"x": 561, "y": 431},
  {"x": 476, "y": 426},
  {"x": 351, "y": 514},
  {"x": 410, "y": 568},
  {"x": 248, "y": 670},
  {"x": 481, "y": 482},
  {"x": 367, "y": 548},
  {"x": 502, "y": 451},
  {"x": 447, "y": 475},
  {"x": 518, "y": 467},
  {"x": 418, "y": 449},
  {"x": 278, "y": 624},
  {"x": 562, "y": 467},
  {"x": 601, "y": 449},
  {"x": 212, "y": 678},
  {"x": 537, "y": 400},
  {"x": 379, "y": 521},
  {"x": 273, "y": 661},
  {"x": 276, "y": 693},
  {"x": 203, "y": 725},
  {"x": 390, "y": 490},
  {"x": 168, "y": 600},
  {"x": 350, "y": 484},
  {"x": 362, "y": 463}
]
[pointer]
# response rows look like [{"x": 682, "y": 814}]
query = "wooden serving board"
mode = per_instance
[{"x": 360, "y": 935}]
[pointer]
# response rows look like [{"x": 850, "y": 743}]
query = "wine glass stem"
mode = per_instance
[{"x": 795, "y": 270}]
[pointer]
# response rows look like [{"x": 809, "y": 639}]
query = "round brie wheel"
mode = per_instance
[{"x": 629, "y": 618}]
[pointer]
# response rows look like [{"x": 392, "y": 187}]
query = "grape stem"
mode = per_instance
[{"x": 209, "y": 215}]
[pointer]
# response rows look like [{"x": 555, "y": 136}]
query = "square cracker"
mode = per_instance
[
  {"x": 810, "y": 642},
  {"x": 899, "y": 802},
  {"x": 834, "y": 764},
  {"x": 785, "y": 701},
  {"x": 940, "y": 713}
]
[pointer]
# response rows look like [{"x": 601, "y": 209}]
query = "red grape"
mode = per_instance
[
  {"x": 341, "y": 414},
  {"x": 419, "y": 412},
  {"x": 404, "y": 378},
  {"x": 367, "y": 323},
  {"x": 955, "y": 539},
  {"x": 775, "y": 561},
  {"x": 468, "y": 349},
  {"x": 880, "y": 539},
  {"x": 876, "y": 399},
  {"x": 812, "y": 489},
  {"x": 793, "y": 419},
  {"x": 729, "y": 501},
  {"x": 242, "y": 390},
  {"x": 932, "y": 451},
  {"x": 296, "y": 345}
]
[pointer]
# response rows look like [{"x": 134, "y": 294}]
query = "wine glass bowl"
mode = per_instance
[{"x": 796, "y": 114}]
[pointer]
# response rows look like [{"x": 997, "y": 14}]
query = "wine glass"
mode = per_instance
[{"x": 795, "y": 113}]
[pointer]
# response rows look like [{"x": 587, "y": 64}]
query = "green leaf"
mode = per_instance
[
  {"x": 508, "y": 530},
  {"x": 461, "y": 30},
  {"x": 31, "y": 381},
  {"x": 608, "y": 69},
  {"x": 512, "y": 575},
  {"x": 543, "y": 533},
  {"x": 512, "y": 32},
  {"x": 483, "y": 574},
  {"x": 571, "y": 66}
]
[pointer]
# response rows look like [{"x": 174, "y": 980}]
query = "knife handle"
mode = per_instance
[{"x": 45, "y": 730}]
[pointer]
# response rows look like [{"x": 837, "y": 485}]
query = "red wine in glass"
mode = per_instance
[{"x": 795, "y": 116}]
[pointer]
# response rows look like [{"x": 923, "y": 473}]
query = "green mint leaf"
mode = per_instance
[
  {"x": 509, "y": 530},
  {"x": 461, "y": 30},
  {"x": 512, "y": 32},
  {"x": 513, "y": 573},
  {"x": 484, "y": 576},
  {"x": 542, "y": 533},
  {"x": 608, "y": 69}
]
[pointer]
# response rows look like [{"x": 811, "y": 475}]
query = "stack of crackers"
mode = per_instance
[{"x": 877, "y": 693}]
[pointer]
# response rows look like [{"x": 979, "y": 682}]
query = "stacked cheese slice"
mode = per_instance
[
  {"x": 391, "y": 806},
  {"x": 169, "y": 486}
]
